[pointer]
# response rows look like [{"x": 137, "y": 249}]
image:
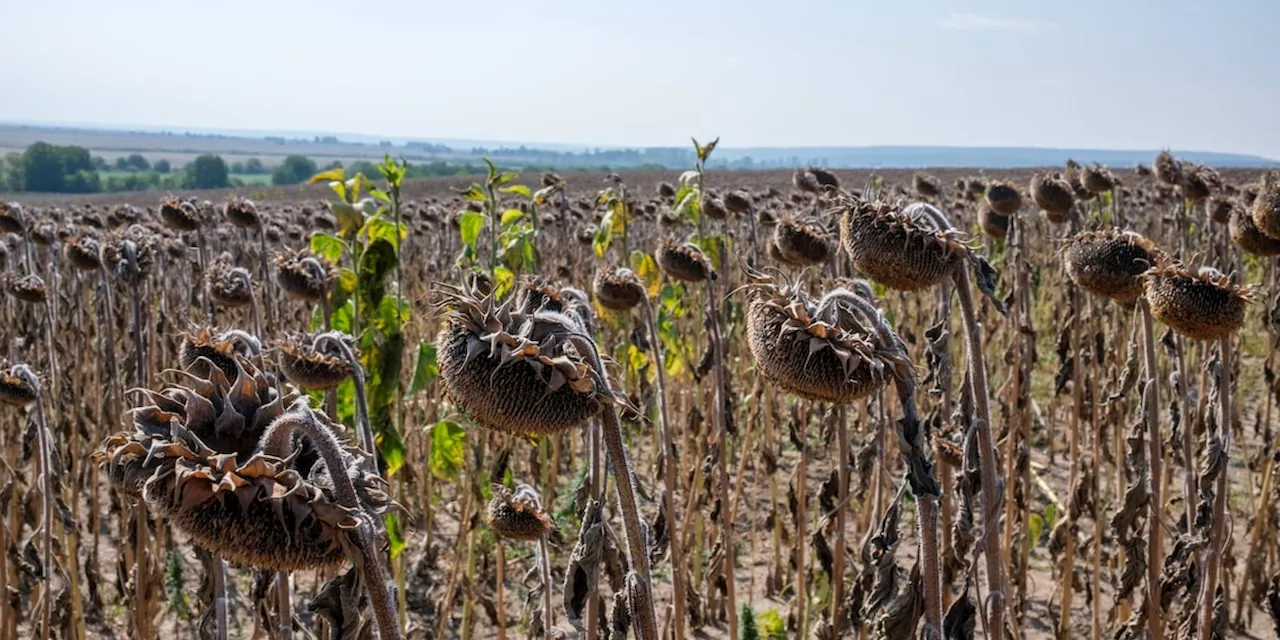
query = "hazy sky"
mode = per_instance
[{"x": 1186, "y": 74}]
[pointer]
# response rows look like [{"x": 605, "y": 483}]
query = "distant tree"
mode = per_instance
[
  {"x": 138, "y": 163},
  {"x": 100, "y": 163},
  {"x": 162, "y": 166},
  {"x": 121, "y": 164},
  {"x": 237, "y": 167},
  {"x": 294, "y": 170},
  {"x": 254, "y": 166},
  {"x": 336, "y": 164},
  {"x": 46, "y": 167},
  {"x": 207, "y": 172}
]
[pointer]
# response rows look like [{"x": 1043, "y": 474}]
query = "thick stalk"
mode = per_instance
[
  {"x": 269, "y": 299},
  {"x": 611, "y": 434},
  {"x": 220, "y": 616},
  {"x": 668, "y": 475},
  {"x": 722, "y": 433},
  {"x": 1155, "y": 520},
  {"x": 45, "y": 444},
  {"x": 544, "y": 562},
  {"x": 499, "y": 600},
  {"x": 284, "y": 606},
  {"x": 1188, "y": 437},
  {"x": 842, "y": 477},
  {"x": 1218, "y": 527},
  {"x": 990, "y": 497},
  {"x": 1073, "y": 454},
  {"x": 596, "y": 481}
]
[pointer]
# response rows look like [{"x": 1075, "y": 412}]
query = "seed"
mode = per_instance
[
  {"x": 1201, "y": 305},
  {"x": 1110, "y": 263},
  {"x": 618, "y": 289}
]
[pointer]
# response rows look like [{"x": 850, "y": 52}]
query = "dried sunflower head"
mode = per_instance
[
  {"x": 197, "y": 452},
  {"x": 823, "y": 350},
  {"x": 1096, "y": 179},
  {"x": 11, "y": 218},
  {"x": 1266, "y": 205},
  {"x": 303, "y": 275},
  {"x": 517, "y": 515},
  {"x": 242, "y": 212},
  {"x": 1003, "y": 198},
  {"x": 714, "y": 209},
  {"x": 230, "y": 286},
  {"x": 18, "y": 385},
  {"x": 684, "y": 262},
  {"x": 738, "y": 202},
  {"x": 1247, "y": 236},
  {"x": 130, "y": 253},
  {"x": 1110, "y": 263},
  {"x": 219, "y": 348},
  {"x": 815, "y": 180},
  {"x": 515, "y": 371},
  {"x": 926, "y": 186},
  {"x": 666, "y": 190},
  {"x": 618, "y": 289},
  {"x": 84, "y": 253},
  {"x": 800, "y": 244},
  {"x": 538, "y": 294},
  {"x": 1201, "y": 305},
  {"x": 29, "y": 288},
  {"x": 1219, "y": 209},
  {"x": 900, "y": 251},
  {"x": 1054, "y": 196},
  {"x": 1167, "y": 169},
  {"x": 311, "y": 368},
  {"x": 179, "y": 215},
  {"x": 994, "y": 224}
]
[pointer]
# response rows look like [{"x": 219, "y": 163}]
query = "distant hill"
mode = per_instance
[{"x": 269, "y": 145}]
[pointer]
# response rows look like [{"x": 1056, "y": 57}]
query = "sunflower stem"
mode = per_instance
[
  {"x": 1218, "y": 526},
  {"x": 1155, "y": 520},
  {"x": 284, "y": 606}
]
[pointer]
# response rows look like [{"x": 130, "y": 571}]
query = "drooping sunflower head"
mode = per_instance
[
  {"x": 219, "y": 348},
  {"x": 18, "y": 385},
  {"x": 229, "y": 285},
  {"x": 198, "y": 454},
  {"x": 516, "y": 371},
  {"x": 179, "y": 215},
  {"x": 827, "y": 350},
  {"x": 1110, "y": 263},
  {"x": 303, "y": 275},
  {"x": 312, "y": 368},
  {"x": 618, "y": 289},
  {"x": 684, "y": 261},
  {"x": 899, "y": 248},
  {"x": 242, "y": 212},
  {"x": 800, "y": 244},
  {"x": 517, "y": 515},
  {"x": 1201, "y": 305}
]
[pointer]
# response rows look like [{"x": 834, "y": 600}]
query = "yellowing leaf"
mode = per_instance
[
  {"x": 647, "y": 268},
  {"x": 470, "y": 224},
  {"x": 517, "y": 189},
  {"x": 511, "y": 215},
  {"x": 504, "y": 280}
]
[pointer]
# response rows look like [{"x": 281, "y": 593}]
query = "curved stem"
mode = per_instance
[
  {"x": 275, "y": 441},
  {"x": 990, "y": 496},
  {"x": 364, "y": 430}
]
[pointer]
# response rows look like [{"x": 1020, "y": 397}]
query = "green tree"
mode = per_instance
[
  {"x": 46, "y": 167},
  {"x": 208, "y": 172},
  {"x": 137, "y": 163},
  {"x": 162, "y": 166},
  {"x": 294, "y": 170},
  {"x": 254, "y": 166}
]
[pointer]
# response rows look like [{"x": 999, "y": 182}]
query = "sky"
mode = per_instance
[{"x": 1136, "y": 74}]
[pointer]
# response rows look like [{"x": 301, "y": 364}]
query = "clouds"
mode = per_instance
[{"x": 972, "y": 22}]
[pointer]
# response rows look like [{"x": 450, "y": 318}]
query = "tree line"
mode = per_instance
[{"x": 50, "y": 168}]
